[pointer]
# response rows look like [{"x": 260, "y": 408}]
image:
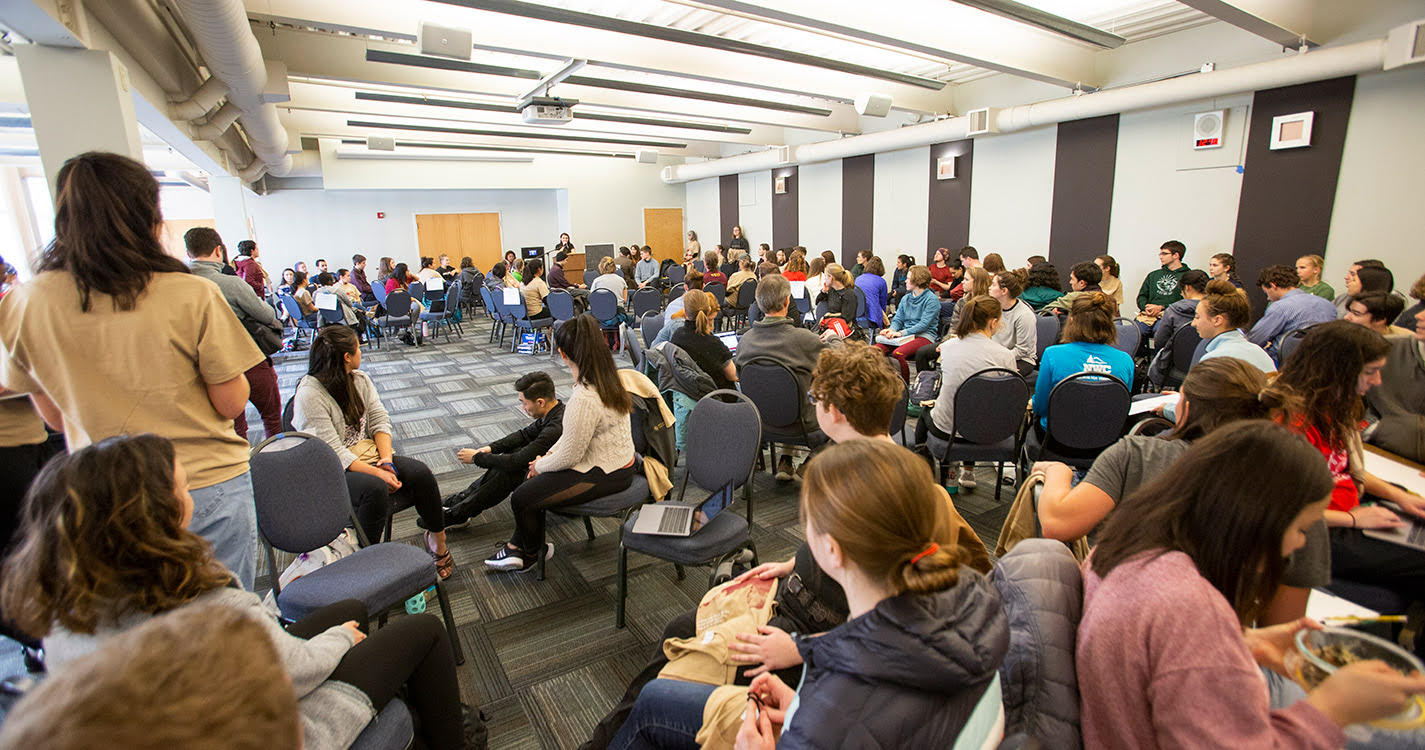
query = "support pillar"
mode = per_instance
[{"x": 230, "y": 211}]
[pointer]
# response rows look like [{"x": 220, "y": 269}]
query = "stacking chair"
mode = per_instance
[
  {"x": 743, "y": 302},
  {"x": 862, "y": 319},
  {"x": 1087, "y": 412},
  {"x": 754, "y": 314},
  {"x": 589, "y": 275},
  {"x": 676, "y": 291},
  {"x": 1130, "y": 336},
  {"x": 898, "y": 416},
  {"x": 989, "y": 415},
  {"x": 645, "y": 300},
  {"x": 446, "y": 316},
  {"x": 1288, "y": 343},
  {"x": 519, "y": 318},
  {"x": 308, "y": 323},
  {"x": 398, "y": 313},
  {"x": 650, "y": 324},
  {"x": 302, "y": 504},
  {"x": 774, "y": 390},
  {"x": 802, "y": 304},
  {"x": 417, "y": 290},
  {"x": 496, "y": 322},
  {"x": 723, "y": 441},
  {"x": 719, "y": 293},
  {"x": 331, "y": 317},
  {"x": 633, "y": 344},
  {"x": 1046, "y": 332},
  {"x": 561, "y": 305},
  {"x": 604, "y": 306},
  {"x": 1184, "y": 348},
  {"x": 378, "y": 290},
  {"x": 676, "y": 275}
]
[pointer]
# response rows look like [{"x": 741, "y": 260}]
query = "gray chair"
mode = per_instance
[
  {"x": 497, "y": 322},
  {"x": 301, "y": 322},
  {"x": 989, "y": 417},
  {"x": 676, "y": 291},
  {"x": 1129, "y": 335},
  {"x": 1183, "y": 347},
  {"x": 644, "y": 301},
  {"x": 723, "y": 439},
  {"x": 676, "y": 275},
  {"x": 1086, "y": 414},
  {"x": 1288, "y": 343},
  {"x": 650, "y": 324},
  {"x": 299, "y": 488},
  {"x": 633, "y": 344},
  {"x": 1046, "y": 331},
  {"x": 778, "y": 398},
  {"x": 398, "y": 313},
  {"x": 519, "y": 318},
  {"x": 417, "y": 290}
]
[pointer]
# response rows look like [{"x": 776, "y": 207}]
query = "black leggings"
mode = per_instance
[
  {"x": 374, "y": 502},
  {"x": 550, "y": 491},
  {"x": 411, "y": 652}
]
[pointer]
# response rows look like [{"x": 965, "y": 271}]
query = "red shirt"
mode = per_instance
[
  {"x": 944, "y": 275},
  {"x": 1344, "y": 496},
  {"x": 794, "y": 276},
  {"x": 714, "y": 277}
]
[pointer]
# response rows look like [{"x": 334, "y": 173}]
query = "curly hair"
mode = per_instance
[
  {"x": 1046, "y": 275},
  {"x": 103, "y": 534},
  {"x": 860, "y": 382},
  {"x": 1320, "y": 376}
]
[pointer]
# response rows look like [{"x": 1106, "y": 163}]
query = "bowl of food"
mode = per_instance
[{"x": 1319, "y": 653}]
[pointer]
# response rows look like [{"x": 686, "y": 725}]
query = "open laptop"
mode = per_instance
[
  {"x": 1412, "y": 534},
  {"x": 729, "y": 339},
  {"x": 681, "y": 519}
]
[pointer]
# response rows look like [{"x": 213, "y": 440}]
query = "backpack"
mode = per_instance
[
  {"x": 926, "y": 388},
  {"x": 678, "y": 372}
]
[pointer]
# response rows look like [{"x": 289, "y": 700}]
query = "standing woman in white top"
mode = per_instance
[
  {"x": 114, "y": 336},
  {"x": 694, "y": 250},
  {"x": 593, "y": 458}
]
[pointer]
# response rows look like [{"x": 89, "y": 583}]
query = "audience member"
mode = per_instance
[
  {"x": 249, "y": 269},
  {"x": 105, "y": 550},
  {"x": 777, "y": 338},
  {"x": 796, "y": 268},
  {"x": 915, "y": 323},
  {"x": 609, "y": 278},
  {"x": 514, "y": 277},
  {"x": 1042, "y": 286},
  {"x": 746, "y": 271},
  {"x": 993, "y": 264},
  {"x": 1032, "y": 261},
  {"x": 1087, "y": 346},
  {"x": 339, "y": 404},
  {"x": 872, "y": 283},
  {"x": 201, "y": 677},
  {"x": 350, "y": 315},
  {"x": 971, "y": 349},
  {"x": 883, "y": 533},
  {"x": 347, "y": 289},
  {"x": 1308, "y": 273},
  {"x": 625, "y": 262},
  {"x": 510, "y": 258},
  {"x": 1354, "y": 284},
  {"x": 738, "y": 241},
  {"x": 25, "y": 447},
  {"x": 1018, "y": 331},
  {"x": 506, "y": 461},
  {"x": 1162, "y": 287},
  {"x": 300, "y": 266},
  {"x": 1289, "y": 310},
  {"x": 1167, "y": 655},
  {"x": 443, "y": 267},
  {"x": 428, "y": 270},
  {"x": 399, "y": 278},
  {"x": 535, "y": 291},
  {"x": 781, "y": 257},
  {"x": 205, "y": 248},
  {"x": 694, "y": 248},
  {"x": 942, "y": 274},
  {"x": 1417, "y": 293},
  {"x": 1181, "y": 313},
  {"x": 840, "y": 295},
  {"x": 173, "y": 352},
  {"x": 1219, "y": 319},
  {"x": 695, "y": 336},
  {"x": 976, "y": 284},
  {"x": 860, "y": 267},
  {"x": 592, "y": 458},
  {"x": 1394, "y": 407},
  {"x": 898, "y": 290},
  {"x": 714, "y": 274},
  {"x": 303, "y": 297},
  {"x": 729, "y": 264},
  {"x": 288, "y": 277},
  {"x": 767, "y": 268},
  {"x": 1223, "y": 267},
  {"x": 470, "y": 280},
  {"x": 969, "y": 257},
  {"x": 1083, "y": 279},
  {"x": 1376, "y": 310},
  {"x": 9, "y": 278},
  {"x": 495, "y": 282},
  {"x": 816, "y": 280},
  {"x": 646, "y": 272},
  {"x": 1110, "y": 283},
  {"x": 385, "y": 266}
]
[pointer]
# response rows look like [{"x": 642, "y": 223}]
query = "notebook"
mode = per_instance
[
  {"x": 326, "y": 301},
  {"x": 681, "y": 519}
]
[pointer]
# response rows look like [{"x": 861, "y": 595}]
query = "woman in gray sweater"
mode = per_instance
[{"x": 104, "y": 546}]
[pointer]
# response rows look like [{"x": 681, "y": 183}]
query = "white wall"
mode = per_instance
[
  {"x": 703, "y": 211},
  {"x": 1012, "y": 193},
  {"x": 819, "y": 207},
  {"x": 901, "y": 212},
  {"x": 754, "y": 210}
]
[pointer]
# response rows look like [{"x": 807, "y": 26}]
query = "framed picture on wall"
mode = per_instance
[
  {"x": 1291, "y": 131},
  {"x": 779, "y": 186},
  {"x": 945, "y": 168}
]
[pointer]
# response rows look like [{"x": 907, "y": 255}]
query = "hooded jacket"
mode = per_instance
[{"x": 907, "y": 674}]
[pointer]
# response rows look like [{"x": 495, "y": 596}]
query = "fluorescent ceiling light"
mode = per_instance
[
  {"x": 535, "y": 135},
  {"x": 579, "y": 113},
  {"x": 482, "y": 147},
  {"x": 411, "y": 155},
  {"x": 1043, "y": 19}
]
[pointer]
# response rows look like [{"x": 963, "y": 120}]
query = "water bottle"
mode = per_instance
[{"x": 416, "y": 604}]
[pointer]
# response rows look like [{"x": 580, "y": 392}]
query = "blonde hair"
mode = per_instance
[
  {"x": 701, "y": 308},
  {"x": 979, "y": 281},
  {"x": 606, "y": 265},
  {"x": 883, "y": 507},
  {"x": 841, "y": 275}
]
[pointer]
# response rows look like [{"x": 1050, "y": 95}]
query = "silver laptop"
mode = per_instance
[
  {"x": 680, "y": 519},
  {"x": 1412, "y": 534}
]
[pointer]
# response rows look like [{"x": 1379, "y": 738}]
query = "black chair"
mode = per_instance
[
  {"x": 743, "y": 301},
  {"x": 754, "y": 314},
  {"x": 1130, "y": 336},
  {"x": 650, "y": 324},
  {"x": 723, "y": 441},
  {"x": 398, "y": 313},
  {"x": 645, "y": 300},
  {"x": 676, "y": 291},
  {"x": 898, "y": 416},
  {"x": 676, "y": 275},
  {"x": 633, "y": 344},
  {"x": 1086, "y": 414},
  {"x": 778, "y": 398},
  {"x": 719, "y": 293},
  {"x": 989, "y": 417},
  {"x": 1289, "y": 342},
  {"x": 1183, "y": 346},
  {"x": 1046, "y": 332},
  {"x": 862, "y": 319}
]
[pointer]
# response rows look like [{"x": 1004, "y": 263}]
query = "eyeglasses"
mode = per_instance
[{"x": 811, "y": 398}]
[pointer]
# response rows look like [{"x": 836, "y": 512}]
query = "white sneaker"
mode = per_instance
[{"x": 966, "y": 480}]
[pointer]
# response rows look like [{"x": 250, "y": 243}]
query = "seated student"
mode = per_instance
[
  {"x": 714, "y": 274},
  {"x": 816, "y": 280},
  {"x": 862, "y": 258},
  {"x": 898, "y": 290},
  {"x": 1018, "y": 332},
  {"x": 915, "y": 323},
  {"x": 289, "y": 277},
  {"x": 303, "y": 295},
  {"x": 1223, "y": 267},
  {"x": 338, "y": 403},
  {"x": 746, "y": 271},
  {"x": 1289, "y": 310},
  {"x": 105, "y": 548},
  {"x": 515, "y": 276},
  {"x": 350, "y": 315},
  {"x": 1042, "y": 287},
  {"x": 1394, "y": 407},
  {"x": 203, "y": 678},
  {"x": 444, "y": 268},
  {"x": 840, "y": 294},
  {"x": 796, "y": 268},
  {"x": 496, "y": 280},
  {"x": 977, "y": 284},
  {"x": 872, "y": 283},
  {"x": 1219, "y": 319},
  {"x": 1181, "y": 313},
  {"x": 646, "y": 272},
  {"x": 506, "y": 461},
  {"x": 942, "y": 274},
  {"x": 1417, "y": 293},
  {"x": 778, "y": 338},
  {"x": 470, "y": 280},
  {"x": 1083, "y": 279},
  {"x": 734, "y": 254},
  {"x": 557, "y": 279},
  {"x": 1161, "y": 287},
  {"x": 427, "y": 271},
  {"x": 1376, "y": 310},
  {"x": 1368, "y": 275},
  {"x": 1166, "y": 653},
  {"x": 1322, "y": 384},
  {"x": 900, "y": 672},
  {"x": 609, "y": 278},
  {"x": 767, "y": 268},
  {"x": 695, "y": 336},
  {"x": 1032, "y": 261},
  {"x": 535, "y": 291},
  {"x": 1308, "y": 273},
  {"x": 1088, "y": 339},
  {"x": 1110, "y": 283},
  {"x": 972, "y": 348},
  {"x": 592, "y": 458},
  {"x": 348, "y": 289}
]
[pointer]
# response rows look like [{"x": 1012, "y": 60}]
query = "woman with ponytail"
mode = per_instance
[
  {"x": 695, "y": 336},
  {"x": 1221, "y": 315},
  {"x": 919, "y": 651}
]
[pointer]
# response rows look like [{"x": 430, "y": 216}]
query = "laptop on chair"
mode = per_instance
[{"x": 681, "y": 519}]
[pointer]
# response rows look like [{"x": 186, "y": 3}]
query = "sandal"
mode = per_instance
[{"x": 444, "y": 564}]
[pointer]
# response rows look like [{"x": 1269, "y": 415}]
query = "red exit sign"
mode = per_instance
[{"x": 380, "y": 214}]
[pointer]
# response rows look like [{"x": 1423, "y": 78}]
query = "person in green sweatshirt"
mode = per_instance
[{"x": 1162, "y": 287}]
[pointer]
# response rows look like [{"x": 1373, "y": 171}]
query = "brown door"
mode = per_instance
[
  {"x": 458, "y": 235},
  {"x": 663, "y": 231}
]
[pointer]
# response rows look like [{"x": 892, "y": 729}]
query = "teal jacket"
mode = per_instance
[{"x": 918, "y": 315}]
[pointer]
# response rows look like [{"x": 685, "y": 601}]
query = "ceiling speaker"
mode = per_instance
[
  {"x": 873, "y": 105},
  {"x": 380, "y": 143},
  {"x": 646, "y": 156},
  {"x": 1207, "y": 129},
  {"x": 444, "y": 41}
]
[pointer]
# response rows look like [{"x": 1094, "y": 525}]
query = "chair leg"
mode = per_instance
[
  {"x": 679, "y": 570},
  {"x": 539, "y": 575},
  {"x": 381, "y": 620},
  {"x": 622, "y": 584},
  {"x": 589, "y": 527},
  {"x": 999, "y": 479},
  {"x": 449, "y": 623}
]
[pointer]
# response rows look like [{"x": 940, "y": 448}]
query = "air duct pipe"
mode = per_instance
[
  {"x": 1315, "y": 65},
  {"x": 218, "y": 123},
  {"x": 201, "y": 102},
  {"x": 225, "y": 40}
]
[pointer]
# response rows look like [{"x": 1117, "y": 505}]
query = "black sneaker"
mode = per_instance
[{"x": 516, "y": 560}]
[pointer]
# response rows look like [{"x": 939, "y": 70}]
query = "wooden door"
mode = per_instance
[
  {"x": 663, "y": 231},
  {"x": 458, "y": 235}
]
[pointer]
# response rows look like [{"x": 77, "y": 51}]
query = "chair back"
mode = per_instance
[
  {"x": 677, "y": 290},
  {"x": 452, "y": 297},
  {"x": 299, "y": 487},
  {"x": 398, "y": 304},
  {"x": 1087, "y": 411},
  {"x": 990, "y": 405},
  {"x": 561, "y": 304},
  {"x": 417, "y": 290},
  {"x": 802, "y": 303},
  {"x": 677, "y": 275},
  {"x": 604, "y": 305},
  {"x": 294, "y": 310},
  {"x": 899, "y": 414},
  {"x": 378, "y": 290},
  {"x": 746, "y": 295},
  {"x": 333, "y": 316},
  {"x": 774, "y": 391},
  {"x": 1129, "y": 335},
  {"x": 724, "y": 435},
  {"x": 1185, "y": 341},
  {"x": 589, "y": 275},
  {"x": 632, "y": 341},
  {"x": 645, "y": 300},
  {"x": 821, "y": 308},
  {"x": 861, "y": 319},
  {"x": 650, "y": 325},
  {"x": 754, "y": 313},
  {"x": 517, "y": 311},
  {"x": 1288, "y": 344},
  {"x": 719, "y": 292},
  {"x": 1046, "y": 330}
]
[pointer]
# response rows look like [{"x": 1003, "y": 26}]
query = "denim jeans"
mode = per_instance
[
  {"x": 225, "y": 515},
  {"x": 1284, "y": 692},
  {"x": 668, "y": 715}
]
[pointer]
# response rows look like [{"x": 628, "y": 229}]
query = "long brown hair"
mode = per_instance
[
  {"x": 979, "y": 281},
  {"x": 1319, "y": 378},
  {"x": 1232, "y": 530},
  {"x": 884, "y": 513},
  {"x": 101, "y": 535},
  {"x": 1090, "y": 319},
  {"x": 326, "y": 363},
  {"x": 105, "y": 218},
  {"x": 581, "y": 341},
  {"x": 1222, "y": 390},
  {"x": 977, "y": 313}
]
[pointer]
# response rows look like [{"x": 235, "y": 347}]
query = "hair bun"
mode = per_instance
[{"x": 1218, "y": 286}]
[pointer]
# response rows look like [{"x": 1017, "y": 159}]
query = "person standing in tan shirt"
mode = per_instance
[{"x": 114, "y": 336}]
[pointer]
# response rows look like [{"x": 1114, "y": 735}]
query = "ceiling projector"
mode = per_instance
[{"x": 544, "y": 110}]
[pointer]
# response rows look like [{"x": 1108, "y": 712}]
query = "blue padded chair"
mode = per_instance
[
  {"x": 492, "y": 310},
  {"x": 1086, "y": 414},
  {"x": 392, "y": 729},
  {"x": 676, "y": 275},
  {"x": 1129, "y": 335},
  {"x": 802, "y": 304},
  {"x": 650, "y": 324},
  {"x": 604, "y": 306},
  {"x": 445, "y": 317},
  {"x": 561, "y": 305},
  {"x": 299, "y": 487},
  {"x": 723, "y": 440},
  {"x": 519, "y": 317},
  {"x": 633, "y": 344},
  {"x": 862, "y": 320},
  {"x": 378, "y": 290},
  {"x": 299, "y": 321},
  {"x": 989, "y": 420},
  {"x": 645, "y": 300},
  {"x": 398, "y": 313},
  {"x": 778, "y": 398},
  {"x": 417, "y": 290},
  {"x": 1046, "y": 332},
  {"x": 330, "y": 317},
  {"x": 589, "y": 276}
]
